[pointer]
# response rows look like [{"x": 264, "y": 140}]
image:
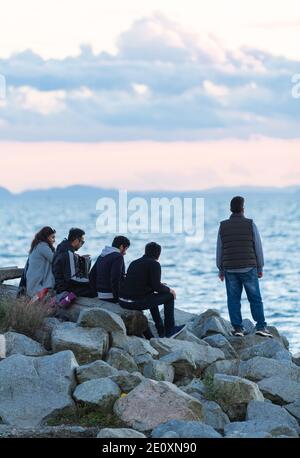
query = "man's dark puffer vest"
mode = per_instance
[{"x": 238, "y": 243}]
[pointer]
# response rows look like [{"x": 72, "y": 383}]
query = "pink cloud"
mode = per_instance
[{"x": 151, "y": 165}]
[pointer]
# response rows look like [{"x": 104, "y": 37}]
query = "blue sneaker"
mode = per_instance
[{"x": 175, "y": 332}]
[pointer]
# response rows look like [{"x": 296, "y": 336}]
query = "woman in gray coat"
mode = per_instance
[{"x": 39, "y": 271}]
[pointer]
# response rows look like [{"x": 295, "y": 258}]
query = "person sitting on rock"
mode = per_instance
[
  {"x": 38, "y": 276},
  {"x": 109, "y": 270},
  {"x": 71, "y": 271},
  {"x": 142, "y": 290},
  {"x": 240, "y": 261}
]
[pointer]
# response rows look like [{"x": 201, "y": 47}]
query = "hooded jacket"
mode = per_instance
[
  {"x": 67, "y": 268},
  {"x": 107, "y": 273}
]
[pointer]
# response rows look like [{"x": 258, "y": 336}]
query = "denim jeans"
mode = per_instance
[{"x": 235, "y": 282}]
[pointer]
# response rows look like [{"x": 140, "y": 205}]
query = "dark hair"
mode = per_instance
[
  {"x": 153, "y": 250},
  {"x": 42, "y": 236},
  {"x": 237, "y": 204},
  {"x": 75, "y": 234},
  {"x": 120, "y": 240}
]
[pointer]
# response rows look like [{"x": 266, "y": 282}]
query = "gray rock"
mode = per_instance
[
  {"x": 159, "y": 370},
  {"x": 99, "y": 318},
  {"x": 234, "y": 394},
  {"x": 101, "y": 392},
  {"x": 121, "y": 360},
  {"x": 266, "y": 349},
  {"x": 188, "y": 336},
  {"x": 127, "y": 381},
  {"x": 296, "y": 359},
  {"x": 43, "y": 335},
  {"x": 273, "y": 427},
  {"x": 134, "y": 346},
  {"x": 251, "y": 341},
  {"x": 185, "y": 430},
  {"x": 219, "y": 341},
  {"x": 284, "y": 355},
  {"x": 124, "y": 433},
  {"x": 248, "y": 326},
  {"x": 195, "y": 386},
  {"x": 95, "y": 370},
  {"x": 183, "y": 364},
  {"x": 88, "y": 344},
  {"x": 280, "y": 390},
  {"x": 268, "y": 412},
  {"x": 214, "y": 415},
  {"x": 18, "y": 344},
  {"x": 203, "y": 354},
  {"x": 227, "y": 367},
  {"x": 259, "y": 368},
  {"x": 33, "y": 389},
  {"x": 240, "y": 435},
  {"x": 142, "y": 360},
  {"x": 153, "y": 403},
  {"x": 294, "y": 409},
  {"x": 210, "y": 323},
  {"x": 49, "y": 432}
]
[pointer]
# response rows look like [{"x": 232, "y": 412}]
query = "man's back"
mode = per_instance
[{"x": 143, "y": 278}]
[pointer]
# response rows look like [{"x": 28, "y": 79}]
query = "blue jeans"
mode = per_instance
[{"x": 234, "y": 285}]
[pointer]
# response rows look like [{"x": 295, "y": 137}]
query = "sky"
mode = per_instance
[{"x": 189, "y": 94}]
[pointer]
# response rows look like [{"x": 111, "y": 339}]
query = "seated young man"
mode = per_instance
[
  {"x": 109, "y": 270},
  {"x": 69, "y": 269},
  {"x": 142, "y": 289}
]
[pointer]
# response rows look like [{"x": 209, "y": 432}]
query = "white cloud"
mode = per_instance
[{"x": 43, "y": 102}]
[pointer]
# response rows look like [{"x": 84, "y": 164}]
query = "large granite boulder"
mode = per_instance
[
  {"x": 101, "y": 393},
  {"x": 127, "y": 381},
  {"x": 214, "y": 415},
  {"x": 280, "y": 390},
  {"x": 259, "y": 428},
  {"x": 259, "y": 368},
  {"x": 266, "y": 411},
  {"x": 159, "y": 370},
  {"x": 88, "y": 344},
  {"x": 294, "y": 409},
  {"x": 18, "y": 344},
  {"x": 227, "y": 367},
  {"x": 210, "y": 323},
  {"x": 185, "y": 430},
  {"x": 32, "y": 389},
  {"x": 100, "y": 318},
  {"x": 44, "y": 334},
  {"x": 153, "y": 403},
  {"x": 137, "y": 347},
  {"x": 48, "y": 432},
  {"x": 219, "y": 341},
  {"x": 183, "y": 364},
  {"x": 234, "y": 394},
  {"x": 95, "y": 370},
  {"x": 121, "y": 360}
]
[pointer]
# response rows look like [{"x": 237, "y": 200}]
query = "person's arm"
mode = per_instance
[
  {"x": 155, "y": 278},
  {"x": 258, "y": 250},
  {"x": 46, "y": 252},
  {"x": 116, "y": 275},
  {"x": 59, "y": 269},
  {"x": 219, "y": 256}
]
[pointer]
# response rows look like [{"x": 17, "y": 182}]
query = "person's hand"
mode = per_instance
[
  {"x": 222, "y": 277},
  {"x": 173, "y": 293},
  {"x": 260, "y": 274}
]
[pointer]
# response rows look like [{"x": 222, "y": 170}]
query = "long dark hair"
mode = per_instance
[{"x": 42, "y": 236}]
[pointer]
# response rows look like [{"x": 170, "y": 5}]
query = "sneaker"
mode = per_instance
[
  {"x": 264, "y": 333},
  {"x": 175, "y": 332},
  {"x": 238, "y": 333}
]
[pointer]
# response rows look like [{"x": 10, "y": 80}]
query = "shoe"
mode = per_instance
[
  {"x": 175, "y": 332},
  {"x": 264, "y": 333},
  {"x": 238, "y": 333}
]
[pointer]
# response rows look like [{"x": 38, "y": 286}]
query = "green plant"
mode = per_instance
[
  {"x": 21, "y": 316},
  {"x": 86, "y": 416}
]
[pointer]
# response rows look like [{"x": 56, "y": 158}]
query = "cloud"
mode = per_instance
[{"x": 164, "y": 83}]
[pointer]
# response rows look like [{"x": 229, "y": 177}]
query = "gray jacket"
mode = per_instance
[{"x": 39, "y": 274}]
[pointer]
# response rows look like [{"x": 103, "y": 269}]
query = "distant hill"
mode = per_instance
[{"x": 82, "y": 192}]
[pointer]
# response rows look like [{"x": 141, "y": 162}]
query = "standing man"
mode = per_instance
[{"x": 240, "y": 261}]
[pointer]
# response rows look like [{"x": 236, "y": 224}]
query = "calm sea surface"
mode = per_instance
[{"x": 188, "y": 268}]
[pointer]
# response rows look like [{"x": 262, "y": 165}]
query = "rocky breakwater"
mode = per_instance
[{"x": 90, "y": 378}]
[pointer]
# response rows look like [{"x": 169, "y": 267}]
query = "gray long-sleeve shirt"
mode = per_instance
[
  {"x": 39, "y": 274},
  {"x": 258, "y": 251}
]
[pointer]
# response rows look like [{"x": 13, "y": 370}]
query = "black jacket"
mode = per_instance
[
  {"x": 107, "y": 274},
  {"x": 143, "y": 278},
  {"x": 68, "y": 267}
]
